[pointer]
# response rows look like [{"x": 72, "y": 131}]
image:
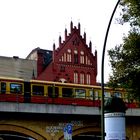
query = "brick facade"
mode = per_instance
[{"x": 72, "y": 62}]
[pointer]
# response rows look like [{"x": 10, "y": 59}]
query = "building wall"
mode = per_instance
[
  {"x": 17, "y": 68},
  {"x": 72, "y": 55}
]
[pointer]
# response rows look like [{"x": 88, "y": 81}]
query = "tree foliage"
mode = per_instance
[
  {"x": 131, "y": 12},
  {"x": 125, "y": 58},
  {"x": 125, "y": 63}
]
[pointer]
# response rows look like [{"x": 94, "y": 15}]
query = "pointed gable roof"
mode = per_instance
[
  {"x": 74, "y": 31},
  {"x": 74, "y": 39}
]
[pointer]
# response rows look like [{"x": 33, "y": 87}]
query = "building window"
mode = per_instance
[
  {"x": 69, "y": 55},
  {"x": 75, "y": 57},
  {"x": 88, "y": 79},
  {"x": 64, "y": 57},
  {"x": 82, "y": 57},
  {"x": 62, "y": 68},
  {"x": 82, "y": 78},
  {"x": 86, "y": 60},
  {"x": 69, "y": 50},
  {"x": 76, "y": 77}
]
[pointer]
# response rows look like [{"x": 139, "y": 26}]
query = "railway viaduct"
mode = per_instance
[{"x": 28, "y": 121}]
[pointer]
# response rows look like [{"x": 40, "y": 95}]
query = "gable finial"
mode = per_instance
[
  {"x": 59, "y": 40},
  {"x": 53, "y": 46},
  {"x": 79, "y": 27},
  {"x": 90, "y": 45},
  {"x": 71, "y": 25},
  {"x": 65, "y": 33},
  {"x": 85, "y": 36}
]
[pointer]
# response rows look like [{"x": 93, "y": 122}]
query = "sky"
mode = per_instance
[{"x": 28, "y": 24}]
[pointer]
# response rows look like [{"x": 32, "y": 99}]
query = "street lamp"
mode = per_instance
[{"x": 102, "y": 72}]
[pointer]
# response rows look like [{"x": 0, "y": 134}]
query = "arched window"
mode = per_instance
[
  {"x": 75, "y": 57},
  {"x": 64, "y": 57},
  {"x": 82, "y": 60},
  {"x": 88, "y": 61},
  {"x": 88, "y": 78},
  {"x": 76, "y": 77},
  {"x": 69, "y": 55},
  {"x": 82, "y": 78}
]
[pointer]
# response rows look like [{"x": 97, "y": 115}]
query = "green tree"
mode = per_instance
[
  {"x": 125, "y": 58},
  {"x": 125, "y": 63},
  {"x": 130, "y": 12}
]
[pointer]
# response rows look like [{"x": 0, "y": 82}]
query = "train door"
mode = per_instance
[
  {"x": 53, "y": 91},
  {"x": 2, "y": 91},
  {"x": 2, "y": 87},
  {"x": 27, "y": 92}
]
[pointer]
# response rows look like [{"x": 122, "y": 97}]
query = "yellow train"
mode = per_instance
[{"x": 37, "y": 91}]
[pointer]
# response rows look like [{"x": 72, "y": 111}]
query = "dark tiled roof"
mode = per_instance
[{"x": 47, "y": 56}]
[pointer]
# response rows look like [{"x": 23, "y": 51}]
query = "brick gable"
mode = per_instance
[{"x": 72, "y": 55}]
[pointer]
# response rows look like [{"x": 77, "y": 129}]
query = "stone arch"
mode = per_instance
[
  {"x": 83, "y": 130},
  {"x": 21, "y": 130}
]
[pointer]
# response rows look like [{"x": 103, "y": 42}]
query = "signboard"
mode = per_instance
[{"x": 68, "y": 132}]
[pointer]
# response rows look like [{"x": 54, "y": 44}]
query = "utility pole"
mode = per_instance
[{"x": 102, "y": 72}]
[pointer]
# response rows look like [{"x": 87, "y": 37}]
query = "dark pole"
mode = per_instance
[{"x": 102, "y": 72}]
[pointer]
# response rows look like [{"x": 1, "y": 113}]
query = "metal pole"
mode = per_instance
[{"x": 102, "y": 73}]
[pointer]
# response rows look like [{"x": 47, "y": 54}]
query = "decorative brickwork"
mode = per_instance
[{"x": 72, "y": 62}]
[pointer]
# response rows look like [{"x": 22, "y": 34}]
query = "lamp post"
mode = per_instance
[{"x": 102, "y": 72}]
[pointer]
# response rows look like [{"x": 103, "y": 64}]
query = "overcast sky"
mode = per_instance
[{"x": 27, "y": 24}]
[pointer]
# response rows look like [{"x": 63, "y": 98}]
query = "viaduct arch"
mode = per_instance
[{"x": 23, "y": 131}]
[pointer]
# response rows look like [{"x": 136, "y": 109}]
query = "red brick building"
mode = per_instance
[{"x": 72, "y": 62}]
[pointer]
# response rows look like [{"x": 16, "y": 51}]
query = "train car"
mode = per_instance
[
  {"x": 11, "y": 89},
  {"x": 48, "y": 92},
  {"x": 66, "y": 93}
]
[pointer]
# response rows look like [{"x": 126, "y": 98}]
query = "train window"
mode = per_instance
[
  {"x": 80, "y": 93},
  {"x": 96, "y": 95},
  {"x": 38, "y": 90},
  {"x": 67, "y": 92},
  {"x": 15, "y": 88},
  {"x": 53, "y": 92},
  {"x": 107, "y": 95},
  {"x": 91, "y": 94},
  {"x": 117, "y": 94},
  {"x": 3, "y": 87}
]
